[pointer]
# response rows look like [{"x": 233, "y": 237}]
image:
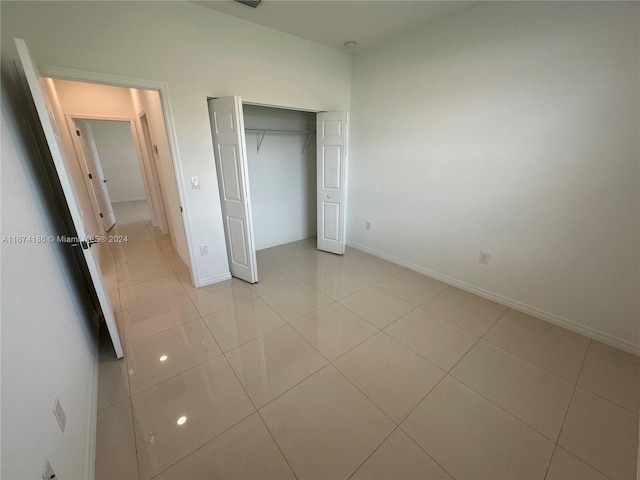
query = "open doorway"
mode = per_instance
[{"x": 116, "y": 138}]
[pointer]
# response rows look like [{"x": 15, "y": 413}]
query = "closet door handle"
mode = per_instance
[{"x": 328, "y": 196}]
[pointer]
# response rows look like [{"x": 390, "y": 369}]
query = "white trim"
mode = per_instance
[
  {"x": 572, "y": 325},
  {"x": 163, "y": 89},
  {"x": 215, "y": 279},
  {"x": 136, "y": 144}
]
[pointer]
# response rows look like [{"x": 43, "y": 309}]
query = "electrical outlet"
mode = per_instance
[
  {"x": 47, "y": 471},
  {"x": 367, "y": 226},
  {"x": 58, "y": 412},
  {"x": 204, "y": 250},
  {"x": 484, "y": 258}
]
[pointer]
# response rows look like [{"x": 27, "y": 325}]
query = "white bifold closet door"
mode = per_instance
[
  {"x": 331, "y": 162},
  {"x": 227, "y": 128},
  {"x": 45, "y": 115}
]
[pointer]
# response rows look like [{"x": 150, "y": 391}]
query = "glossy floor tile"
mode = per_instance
[
  {"x": 377, "y": 306},
  {"x": 296, "y": 301},
  {"x": 245, "y": 451},
  {"x": 113, "y": 382},
  {"x": 168, "y": 353},
  {"x": 325, "y": 427},
  {"x": 115, "y": 443},
  {"x": 220, "y": 296},
  {"x": 242, "y": 323},
  {"x": 437, "y": 340},
  {"x": 602, "y": 435},
  {"x": 333, "y": 330},
  {"x": 613, "y": 378},
  {"x": 181, "y": 414},
  {"x": 465, "y": 310},
  {"x": 548, "y": 346},
  {"x": 161, "y": 315},
  {"x": 539, "y": 398},
  {"x": 335, "y": 352},
  {"x": 272, "y": 279},
  {"x": 565, "y": 466},
  {"x": 270, "y": 365},
  {"x": 131, "y": 274},
  {"x": 340, "y": 283},
  {"x": 412, "y": 287},
  {"x": 635, "y": 359},
  {"x": 400, "y": 458},
  {"x": 148, "y": 292},
  {"x": 470, "y": 437},
  {"x": 392, "y": 376}
]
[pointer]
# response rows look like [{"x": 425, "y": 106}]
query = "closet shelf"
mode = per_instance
[{"x": 295, "y": 132}]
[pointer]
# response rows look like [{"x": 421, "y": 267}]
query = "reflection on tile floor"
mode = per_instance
[{"x": 345, "y": 367}]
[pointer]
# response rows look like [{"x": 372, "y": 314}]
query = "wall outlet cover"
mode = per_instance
[
  {"x": 47, "y": 471},
  {"x": 58, "y": 412}
]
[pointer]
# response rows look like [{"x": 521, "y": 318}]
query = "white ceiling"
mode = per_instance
[{"x": 334, "y": 22}]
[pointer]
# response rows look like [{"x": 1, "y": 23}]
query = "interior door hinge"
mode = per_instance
[
  {"x": 181, "y": 208},
  {"x": 90, "y": 176},
  {"x": 78, "y": 132},
  {"x": 101, "y": 216}
]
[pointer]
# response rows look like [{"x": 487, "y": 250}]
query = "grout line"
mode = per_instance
[
  {"x": 260, "y": 416},
  {"x": 374, "y": 451},
  {"x": 203, "y": 445},
  {"x": 566, "y": 413},
  {"x": 303, "y": 252}
]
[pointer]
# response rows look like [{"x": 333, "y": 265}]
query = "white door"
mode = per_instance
[
  {"x": 45, "y": 115},
  {"x": 96, "y": 176},
  {"x": 331, "y": 136},
  {"x": 227, "y": 128}
]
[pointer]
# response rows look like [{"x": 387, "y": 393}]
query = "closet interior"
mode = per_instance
[{"x": 281, "y": 158}]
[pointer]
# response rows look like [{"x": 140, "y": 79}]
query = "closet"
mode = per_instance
[
  {"x": 281, "y": 176},
  {"x": 281, "y": 157}
]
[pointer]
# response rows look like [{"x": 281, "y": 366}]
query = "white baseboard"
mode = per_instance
[
  {"x": 215, "y": 279},
  {"x": 572, "y": 325},
  {"x": 297, "y": 238}
]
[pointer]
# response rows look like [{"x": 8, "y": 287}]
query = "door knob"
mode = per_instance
[{"x": 328, "y": 196}]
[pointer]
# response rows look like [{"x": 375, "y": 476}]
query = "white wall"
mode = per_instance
[
  {"x": 510, "y": 128},
  {"x": 198, "y": 52},
  {"x": 282, "y": 179},
  {"x": 119, "y": 160},
  {"x": 48, "y": 346}
]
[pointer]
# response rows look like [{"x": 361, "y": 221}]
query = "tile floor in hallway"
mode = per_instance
[{"x": 337, "y": 367}]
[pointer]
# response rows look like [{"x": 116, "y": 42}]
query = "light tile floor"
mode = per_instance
[{"x": 346, "y": 367}]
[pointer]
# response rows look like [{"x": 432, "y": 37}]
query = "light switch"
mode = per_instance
[{"x": 195, "y": 182}]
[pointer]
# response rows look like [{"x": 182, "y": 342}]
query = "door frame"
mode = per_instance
[
  {"x": 146, "y": 148},
  {"x": 70, "y": 119},
  {"x": 297, "y": 109},
  {"x": 64, "y": 73}
]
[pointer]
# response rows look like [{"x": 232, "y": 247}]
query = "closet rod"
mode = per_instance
[
  {"x": 259, "y": 130},
  {"x": 265, "y": 131}
]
